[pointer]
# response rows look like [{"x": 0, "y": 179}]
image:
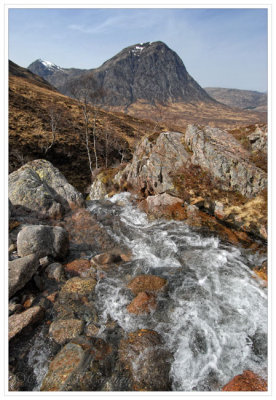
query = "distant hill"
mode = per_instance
[{"x": 244, "y": 99}]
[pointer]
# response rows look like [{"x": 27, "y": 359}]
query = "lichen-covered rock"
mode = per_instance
[
  {"x": 67, "y": 362},
  {"x": 146, "y": 283},
  {"x": 21, "y": 271},
  {"x": 248, "y": 381},
  {"x": 153, "y": 163},
  {"x": 147, "y": 360},
  {"x": 43, "y": 240},
  {"x": 78, "y": 286},
  {"x": 64, "y": 330},
  {"x": 18, "y": 322},
  {"x": 41, "y": 187},
  {"x": 224, "y": 158}
]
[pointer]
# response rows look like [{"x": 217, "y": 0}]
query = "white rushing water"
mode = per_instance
[{"x": 214, "y": 316}]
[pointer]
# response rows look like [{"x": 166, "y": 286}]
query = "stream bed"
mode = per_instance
[{"x": 212, "y": 318}]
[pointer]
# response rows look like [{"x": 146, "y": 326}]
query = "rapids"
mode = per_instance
[{"x": 214, "y": 316}]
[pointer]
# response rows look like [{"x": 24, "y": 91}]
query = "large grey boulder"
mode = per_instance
[
  {"x": 41, "y": 187},
  {"x": 224, "y": 158},
  {"x": 44, "y": 240},
  {"x": 21, "y": 271}
]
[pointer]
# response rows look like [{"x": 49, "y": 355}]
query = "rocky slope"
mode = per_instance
[
  {"x": 34, "y": 104},
  {"x": 244, "y": 99}
]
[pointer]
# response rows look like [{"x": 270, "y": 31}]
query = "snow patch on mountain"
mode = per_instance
[{"x": 49, "y": 65}]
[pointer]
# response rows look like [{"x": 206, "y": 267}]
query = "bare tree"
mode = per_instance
[
  {"x": 54, "y": 117},
  {"x": 85, "y": 90}
]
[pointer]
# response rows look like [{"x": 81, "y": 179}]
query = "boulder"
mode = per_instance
[
  {"x": 41, "y": 187},
  {"x": 248, "y": 381},
  {"x": 66, "y": 363},
  {"x": 43, "y": 240},
  {"x": 147, "y": 360},
  {"x": 146, "y": 283},
  {"x": 78, "y": 267},
  {"x": 219, "y": 153},
  {"x": 18, "y": 322},
  {"x": 152, "y": 163},
  {"x": 142, "y": 303},
  {"x": 78, "y": 286},
  {"x": 64, "y": 330},
  {"x": 21, "y": 271},
  {"x": 163, "y": 205}
]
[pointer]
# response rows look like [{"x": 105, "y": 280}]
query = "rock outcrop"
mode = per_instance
[
  {"x": 224, "y": 158},
  {"x": 152, "y": 164},
  {"x": 217, "y": 152},
  {"x": 39, "y": 186}
]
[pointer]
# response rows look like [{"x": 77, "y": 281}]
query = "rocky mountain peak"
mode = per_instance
[
  {"x": 44, "y": 68},
  {"x": 148, "y": 71}
]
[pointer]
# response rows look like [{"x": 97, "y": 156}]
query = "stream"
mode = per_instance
[{"x": 212, "y": 318}]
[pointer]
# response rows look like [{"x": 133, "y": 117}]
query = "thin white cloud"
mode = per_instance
[{"x": 117, "y": 22}]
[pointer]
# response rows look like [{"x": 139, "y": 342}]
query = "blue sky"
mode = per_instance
[{"x": 219, "y": 47}]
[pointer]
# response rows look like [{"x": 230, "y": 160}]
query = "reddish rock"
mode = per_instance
[
  {"x": 65, "y": 364},
  {"x": 78, "y": 267},
  {"x": 248, "y": 381},
  {"x": 17, "y": 322},
  {"x": 146, "y": 283},
  {"x": 143, "y": 303}
]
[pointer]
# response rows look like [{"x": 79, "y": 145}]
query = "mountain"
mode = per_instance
[
  {"x": 244, "y": 99},
  {"x": 147, "y": 71},
  {"x": 149, "y": 81}
]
